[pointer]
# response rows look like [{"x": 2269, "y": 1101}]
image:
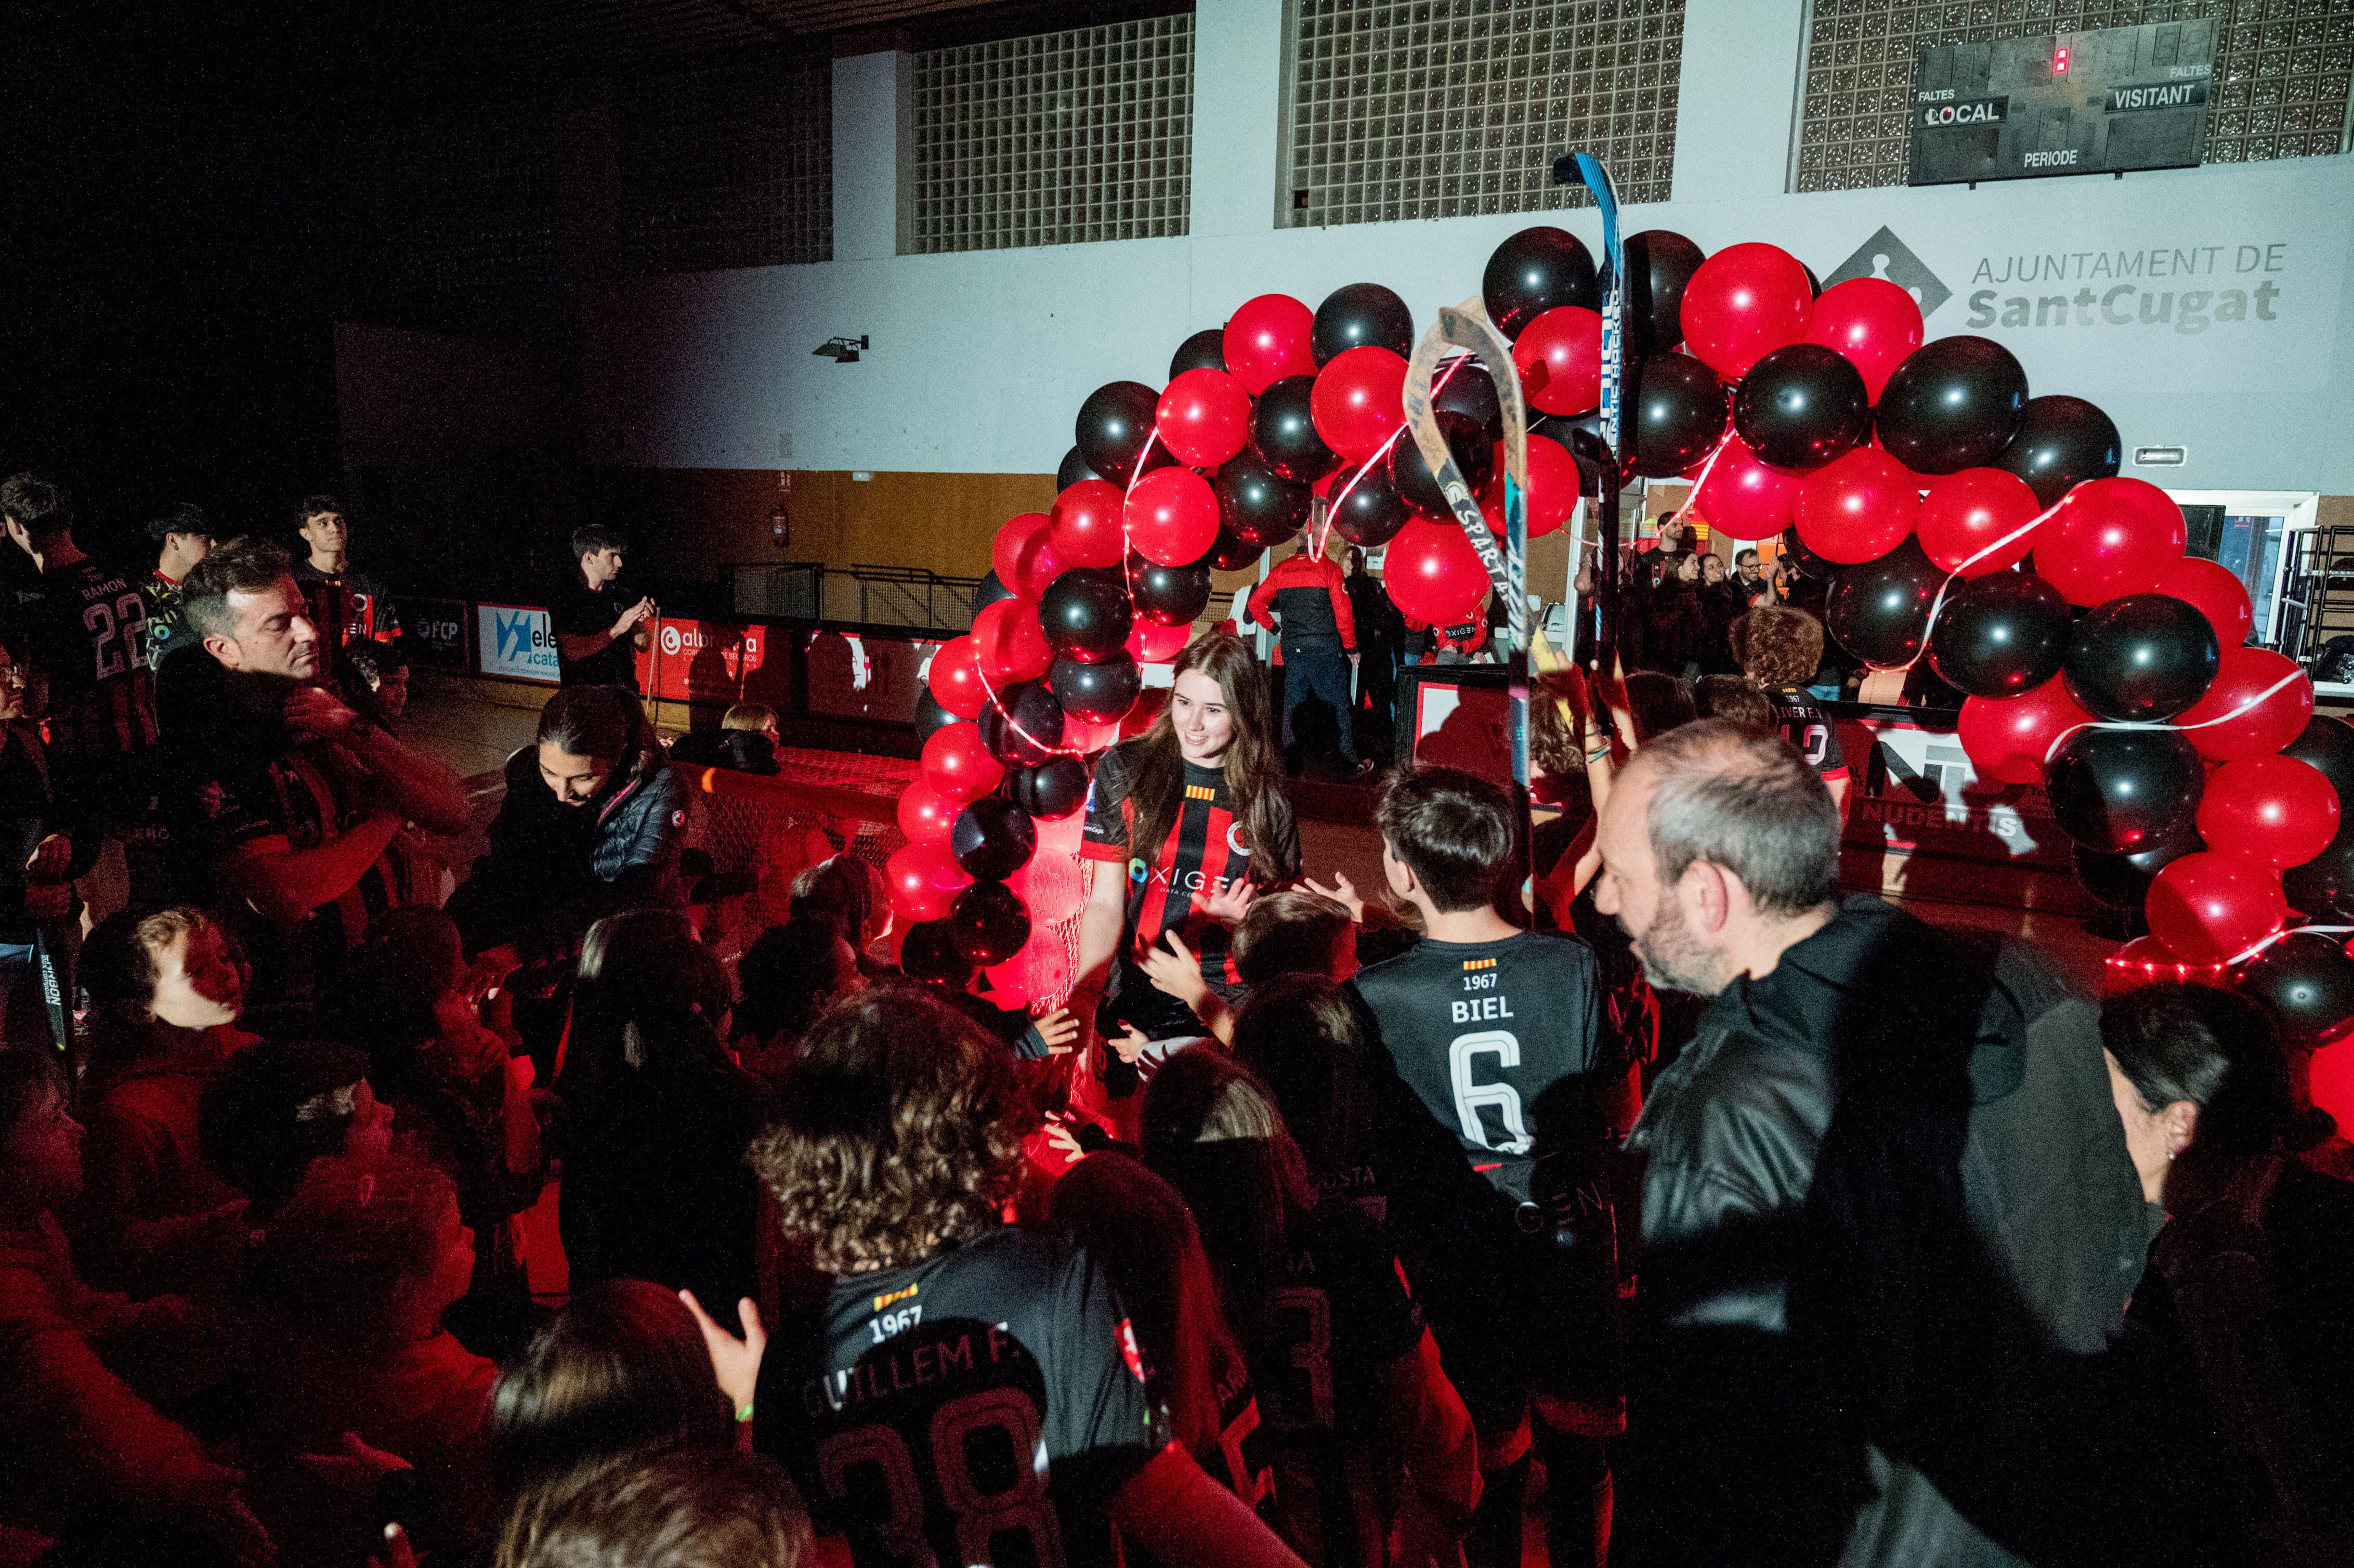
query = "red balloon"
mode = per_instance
[
  {"x": 1969, "y": 512},
  {"x": 1173, "y": 516},
  {"x": 924, "y": 880},
  {"x": 1023, "y": 554},
  {"x": 1857, "y": 508},
  {"x": 1566, "y": 342},
  {"x": 2210, "y": 907},
  {"x": 2109, "y": 537},
  {"x": 1873, "y": 322},
  {"x": 1742, "y": 304},
  {"x": 1086, "y": 525},
  {"x": 2241, "y": 679},
  {"x": 1205, "y": 418},
  {"x": 958, "y": 764},
  {"x": 1432, "y": 572},
  {"x": 1140, "y": 718},
  {"x": 1149, "y": 643},
  {"x": 2218, "y": 592},
  {"x": 1011, "y": 642},
  {"x": 926, "y": 815},
  {"x": 1269, "y": 339},
  {"x": 2273, "y": 809},
  {"x": 1743, "y": 497},
  {"x": 955, "y": 676},
  {"x": 1358, "y": 400},
  {"x": 1552, "y": 494},
  {"x": 2007, "y": 737}
]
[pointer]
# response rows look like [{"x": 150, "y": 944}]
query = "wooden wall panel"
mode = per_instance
[{"x": 688, "y": 522}]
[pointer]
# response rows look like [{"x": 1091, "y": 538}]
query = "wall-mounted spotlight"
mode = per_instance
[{"x": 841, "y": 350}]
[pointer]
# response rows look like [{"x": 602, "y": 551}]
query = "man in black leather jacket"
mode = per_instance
[{"x": 1887, "y": 1223}]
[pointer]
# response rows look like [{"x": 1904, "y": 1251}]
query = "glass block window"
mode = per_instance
[
  {"x": 1452, "y": 107},
  {"x": 1060, "y": 139},
  {"x": 2281, "y": 72},
  {"x": 726, "y": 166}
]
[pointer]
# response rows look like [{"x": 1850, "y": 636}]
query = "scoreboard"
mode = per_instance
[{"x": 2066, "y": 104}]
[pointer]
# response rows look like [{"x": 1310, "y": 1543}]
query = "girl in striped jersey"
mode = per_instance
[{"x": 1183, "y": 824}]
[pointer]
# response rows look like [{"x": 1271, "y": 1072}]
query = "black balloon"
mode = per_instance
[
  {"x": 2144, "y": 657},
  {"x": 2118, "y": 791},
  {"x": 1205, "y": 350},
  {"x": 1367, "y": 509},
  {"x": 2323, "y": 887},
  {"x": 1535, "y": 272},
  {"x": 1024, "y": 726},
  {"x": 1361, "y": 316},
  {"x": 992, "y": 838},
  {"x": 1466, "y": 443},
  {"x": 930, "y": 715},
  {"x": 1101, "y": 693},
  {"x": 1676, "y": 411},
  {"x": 1659, "y": 262},
  {"x": 1167, "y": 596},
  {"x": 1056, "y": 788},
  {"x": 2000, "y": 635},
  {"x": 1231, "y": 554},
  {"x": 1795, "y": 554},
  {"x": 1114, "y": 424},
  {"x": 1085, "y": 613},
  {"x": 987, "y": 591},
  {"x": 1879, "y": 610},
  {"x": 2061, "y": 442},
  {"x": 928, "y": 953},
  {"x": 1801, "y": 405},
  {"x": 1953, "y": 404},
  {"x": 1470, "y": 390},
  {"x": 1284, "y": 434},
  {"x": 2306, "y": 982},
  {"x": 1258, "y": 505},
  {"x": 2328, "y": 744},
  {"x": 1073, "y": 470},
  {"x": 988, "y": 923},
  {"x": 2122, "y": 881}
]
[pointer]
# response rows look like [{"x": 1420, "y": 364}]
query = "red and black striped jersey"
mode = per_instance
[
  {"x": 1205, "y": 850},
  {"x": 91, "y": 643}
]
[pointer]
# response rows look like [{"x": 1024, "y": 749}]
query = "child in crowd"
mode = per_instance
[
  {"x": 1368, "y": 1435},
  {"x": 621, "y": 1373},
  {"x": 696, "y": 1508},
  {"x": 949, "y": 1334},
  {"x": 1291, "y": 931},
  {"x": 347, "y": 1290},
  {"x": 165, "y": 991},
  {"x": 280, "y": 1106},
  {"x": 745, "y": 742},
  {"x": 1495, "y": 1029},
  {"x": 1734, "y": 697},
  {"x": 82, "y": 1455},
  {"x": 1780, "y": 648}
]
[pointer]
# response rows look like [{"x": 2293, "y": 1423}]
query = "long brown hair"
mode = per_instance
[{"x": 1253, "y": 761}]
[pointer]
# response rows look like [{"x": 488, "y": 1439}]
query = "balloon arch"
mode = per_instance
[{"x": 1958, "y": 518}]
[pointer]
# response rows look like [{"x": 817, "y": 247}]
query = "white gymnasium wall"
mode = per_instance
[{"x": 979, "y": 360}]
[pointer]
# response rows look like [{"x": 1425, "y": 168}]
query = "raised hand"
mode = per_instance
[
  {"x": 1342, "y": 891},
  {"x": 1060, "y": 1030},
  {"x": 735, "y": 1363},
  {"x": 1229, "y": 904}
]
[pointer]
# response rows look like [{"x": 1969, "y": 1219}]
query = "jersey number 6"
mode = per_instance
[{"x": 1471, "y": 1097}]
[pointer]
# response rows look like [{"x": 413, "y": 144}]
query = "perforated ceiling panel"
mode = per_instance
[
  {"x": 1450, "y": 108},
  {"x": 2280, "y": 90},
  {"x": 1060, "y": 139}
]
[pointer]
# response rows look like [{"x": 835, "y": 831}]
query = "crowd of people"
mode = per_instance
[{"x": 1686, "y": 1212}]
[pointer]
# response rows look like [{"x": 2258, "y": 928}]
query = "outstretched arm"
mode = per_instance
[{"x": 1182, "y": 1517}]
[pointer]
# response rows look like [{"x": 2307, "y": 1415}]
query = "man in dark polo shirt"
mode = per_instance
[{"x": 599, "y": 629}]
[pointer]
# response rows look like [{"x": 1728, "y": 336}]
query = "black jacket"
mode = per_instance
[
  {"x": 553, "y": 870},
  {"x": 1889, "y": 1224},
  {"x": 743, "y": 750}
]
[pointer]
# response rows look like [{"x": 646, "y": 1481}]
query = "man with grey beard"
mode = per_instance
[{"x": 1889, "y": 1220}]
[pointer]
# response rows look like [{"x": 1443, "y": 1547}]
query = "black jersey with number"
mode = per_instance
[
  {"x": 93, "y": 645},
  {"x": 1810, "y": 729},
  {"x": 1494, "y": 1039},
  {"x": 980, "y": 1407}
]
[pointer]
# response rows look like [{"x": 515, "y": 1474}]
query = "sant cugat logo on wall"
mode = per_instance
[
  {"x": 2185, "y": 289},
  {"x": 1885, "y": 255}
]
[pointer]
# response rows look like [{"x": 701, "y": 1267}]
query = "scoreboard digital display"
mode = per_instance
[{"x": 2066, "y": 103}]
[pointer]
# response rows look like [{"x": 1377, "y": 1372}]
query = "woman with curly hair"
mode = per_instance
[{"x": 972, "y": 1393}]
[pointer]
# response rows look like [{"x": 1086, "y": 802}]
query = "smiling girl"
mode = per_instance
[{"x": 1184, "y": 822}]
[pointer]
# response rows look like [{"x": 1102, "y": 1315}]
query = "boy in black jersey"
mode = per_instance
[
  {"x": 1493, "y": 1028},
  {"x": 970, "y": 1394}
]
